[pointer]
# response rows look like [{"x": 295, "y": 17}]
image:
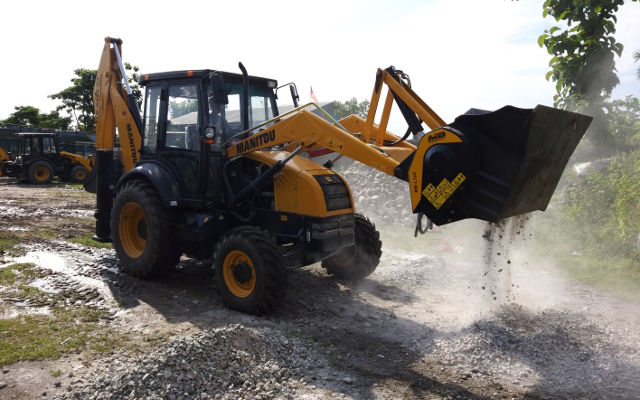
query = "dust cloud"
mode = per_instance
[{"x": 496, "y": 301}]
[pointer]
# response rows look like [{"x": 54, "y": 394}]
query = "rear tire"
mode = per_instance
[
  {"x": 78, "y": 174},
  {"x": 40, "y": 173},
  {"x": 141, "y": 229},
  {"x": 250, "y": 272},
  {"x": 356, "y": 262}
]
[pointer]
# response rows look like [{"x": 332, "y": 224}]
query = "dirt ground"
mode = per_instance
[{"x": 442, "y": 317}]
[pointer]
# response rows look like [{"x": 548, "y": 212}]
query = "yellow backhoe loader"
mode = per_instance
[
  {"x": 212, "y": 170},
  {"x": 39, "y": 159}
]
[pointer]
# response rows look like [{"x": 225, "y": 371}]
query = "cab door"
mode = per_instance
[{"x": 173, "y": 130}]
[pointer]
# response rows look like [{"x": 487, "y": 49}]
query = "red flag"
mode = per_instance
[{"x": 313, "y": 96}]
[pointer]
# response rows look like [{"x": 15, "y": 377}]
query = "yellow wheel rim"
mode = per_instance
[
  {"x": 80, "y": 175},
  {"x": 239, "y": 273},
  {"x": 42, "y": 173},
  {"x": 130, "y": 221}
]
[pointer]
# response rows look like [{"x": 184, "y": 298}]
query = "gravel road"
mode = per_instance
[{"x": 455, "y": 314}]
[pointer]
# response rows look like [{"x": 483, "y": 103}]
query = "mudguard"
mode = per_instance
[{"x": 160, "y": 177}]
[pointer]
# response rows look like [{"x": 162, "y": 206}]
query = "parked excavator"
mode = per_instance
[
  {"x": 39, "y": 159},
  {"x": 212, "y": 170}
]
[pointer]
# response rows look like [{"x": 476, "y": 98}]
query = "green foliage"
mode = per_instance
[
  {"x": 582, "y": 65},
  {"x": 636, "y": 58},
  {"x": 77, "y": 99},
  {"x": 601, "y": 209},
  {"x": 583, "y": 60},
  {"x": 349, "y": 107},
  {"x": 30, "y": 116},
  {"x": 623, "y": 121}
]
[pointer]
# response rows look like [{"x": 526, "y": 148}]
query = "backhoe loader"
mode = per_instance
[
  {"x": 212, "y": 170},
  {"x": 39, "y": 159}
]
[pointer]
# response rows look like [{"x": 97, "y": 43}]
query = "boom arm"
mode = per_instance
[
  {"x": 485, "y": 165},
  {"x": 113, "y": 109}
]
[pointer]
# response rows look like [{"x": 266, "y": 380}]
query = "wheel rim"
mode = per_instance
[
  {"x": 347, "y": 256},
  {"x": 80, "y": 174},
  {"x": 42, "y": 173},
  {"x": 239, "y": 273},
  {"x": 131, "y": 229}
]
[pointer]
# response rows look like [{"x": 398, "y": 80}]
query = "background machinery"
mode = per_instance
[
  {"x": 213, "y": 170},
  {"x": 39, "y": 159}
]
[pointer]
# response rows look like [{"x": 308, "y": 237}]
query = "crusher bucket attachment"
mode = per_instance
[{"x": 492, "y": 165}]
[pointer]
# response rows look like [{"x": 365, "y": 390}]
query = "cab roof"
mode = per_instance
[
  {"x": 200, "y": 73},
  {"x": 36, "y": 133}
]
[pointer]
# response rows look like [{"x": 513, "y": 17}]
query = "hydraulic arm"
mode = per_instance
[{"x": 485, "y": 165}]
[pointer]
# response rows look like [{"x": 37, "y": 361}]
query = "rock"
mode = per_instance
[
  {"x": 3, "y": 385},
  {"x": 348, "y": 380}
]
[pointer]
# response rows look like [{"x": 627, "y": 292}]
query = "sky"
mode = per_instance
[{"x": 459, "y": 54}]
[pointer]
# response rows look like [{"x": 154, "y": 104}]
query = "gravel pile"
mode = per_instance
[
  {"x": 232, "y": 362},
  {"x": 383, "y": 198},
  {"x": 553, "y": 353}
]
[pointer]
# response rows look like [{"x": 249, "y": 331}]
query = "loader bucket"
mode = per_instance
[{"x": 493, "y": 165}]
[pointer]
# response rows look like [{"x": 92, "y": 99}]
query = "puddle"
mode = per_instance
[
  {"x": 10, "y": 211},
  {"x": 17, "y": 229},
  {"x": 47, "y": 260},
  {"x": 24, "y": 310}
]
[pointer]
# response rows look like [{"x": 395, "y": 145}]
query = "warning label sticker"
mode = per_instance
[{"x": 438, "y": 195}]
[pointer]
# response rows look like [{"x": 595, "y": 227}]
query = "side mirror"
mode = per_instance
[
  {"x": 218, "y": 89},
  {"x": 294, "y": 93}
]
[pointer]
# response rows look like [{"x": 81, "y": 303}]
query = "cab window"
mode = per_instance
[
  {"x": 48, "y": 145},
  {"x": 151, "y": 119},
  {"x": 182, "y": 118}
]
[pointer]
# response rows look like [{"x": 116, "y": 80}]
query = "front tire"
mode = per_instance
[
  {"x": 78, "y": 174},
  {"x": 40, "y": 173},
  {"x": 356, "y": 262},
  {"x": 141, "y": 231},
  {"x": 250, "y": 272}
]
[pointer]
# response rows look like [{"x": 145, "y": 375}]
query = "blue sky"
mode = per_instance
[{"x": 459, "y": 54}]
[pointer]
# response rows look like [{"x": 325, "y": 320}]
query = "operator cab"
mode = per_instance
[
  {"x": 180, "y": 105},
  {"x": 183, "y": 108}
]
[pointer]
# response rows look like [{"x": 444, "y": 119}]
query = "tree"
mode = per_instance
[
  {"x": 349, "y": 107},
  {"x": 623, "y": 121},
  {"x": 77, "y": 99},
  {"x": 636, "y": 58},
  {"x": 583, "y": 59},
  {"x": 29, "y": 116},
  {"x": 583, "y": 64}
]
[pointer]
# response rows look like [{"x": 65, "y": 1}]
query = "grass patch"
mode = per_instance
[
  {"x": 66, "y": 329},
  {"x": 46, "y": 233},
  {"x": 56, "y": 373},
  {"x": 86, "y": 240},
  {"x": 19, "y": 273},
  {"x": 8, "y": 246},
  {"x": 36, "y": 337}
]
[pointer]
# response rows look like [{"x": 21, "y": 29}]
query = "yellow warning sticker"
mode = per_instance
[{"x": 438, "y": 195}]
